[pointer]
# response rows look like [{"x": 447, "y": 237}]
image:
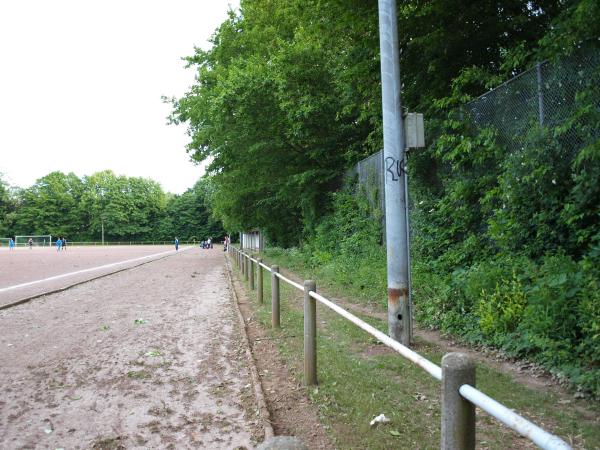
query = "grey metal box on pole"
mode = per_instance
[{"x": 414, "y": 131}]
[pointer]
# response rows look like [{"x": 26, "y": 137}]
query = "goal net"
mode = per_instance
[
  {"x": 36, "y": 241},
  {"x": 4, "y": 242}
]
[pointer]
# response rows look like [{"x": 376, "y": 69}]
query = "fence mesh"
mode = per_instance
[
  {"x": 543, "y": 95},
  {"x": 369, "y": 173}
]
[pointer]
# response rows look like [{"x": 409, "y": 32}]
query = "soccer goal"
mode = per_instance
[
  {"x": 36, "y": 241},
  {"x": 4, "y": 242}
]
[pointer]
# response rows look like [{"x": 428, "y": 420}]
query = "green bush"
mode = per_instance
[
  {"x": 548, "y": 311},
  {"x": 501, "y": 311},
  {"x": 505, "y": 244}
]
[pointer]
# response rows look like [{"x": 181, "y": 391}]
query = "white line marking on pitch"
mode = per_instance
[{"x": 91, "y": 269}]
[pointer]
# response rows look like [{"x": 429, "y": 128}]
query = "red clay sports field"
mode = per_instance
[{"x": 28, "y": 272}]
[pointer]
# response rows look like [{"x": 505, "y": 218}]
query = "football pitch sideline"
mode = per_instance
[
  {"x": 149, "y": 357},
  {"x": 27, "y": 273}
]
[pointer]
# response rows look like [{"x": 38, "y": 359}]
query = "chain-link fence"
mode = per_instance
[
  {"x": 369, "y": 173},
  {"x": 543, "y": 96}
]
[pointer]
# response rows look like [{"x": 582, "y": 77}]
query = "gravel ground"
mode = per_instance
[
  {"x": 146, "y": 358},
  {"x": 24, "y": 265}
]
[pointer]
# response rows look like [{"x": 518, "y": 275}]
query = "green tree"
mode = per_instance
[
  {"x": 51, "y": 206},
  {"x": 268, "y": 111},
  {"x": 188, "y": 216},
  {"x": 7, "y": 206},
  {"x": 127, "y": 208}
]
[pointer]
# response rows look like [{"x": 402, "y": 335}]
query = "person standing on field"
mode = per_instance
[
  {"x": 30, "y": 243},
  {"x": 64, "y": 243},
  {"x": 58, "y": 244},
  {"x": 11, "y": 244},
  {"x": 176, "y": 244}
]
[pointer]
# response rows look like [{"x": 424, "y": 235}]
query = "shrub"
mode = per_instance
[{"x": 501, "y": 311}]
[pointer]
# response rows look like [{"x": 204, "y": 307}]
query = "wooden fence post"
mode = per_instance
[
  {"x": 310, "y": 334},
  {"x": 275, "y": 320},
  {"x": 259, "y": 284},
  {"x": 251, "y": 272}
]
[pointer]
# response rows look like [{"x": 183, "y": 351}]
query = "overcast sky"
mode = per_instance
[{"x": 81, "y": 84}]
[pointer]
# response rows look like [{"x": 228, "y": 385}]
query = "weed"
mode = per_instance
[
  {"x": 138, "y": 374},
  {"x": 112, "y": 443}
]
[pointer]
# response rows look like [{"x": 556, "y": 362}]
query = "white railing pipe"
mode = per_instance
[
  {"x": 429, "y": 367},
  {"x": 293, "y": 283},
  {"x": 513, "y": 420}
]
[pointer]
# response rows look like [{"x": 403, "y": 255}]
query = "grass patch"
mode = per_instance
[
  {"x": 138, "y": 374},
  {"x": 112, "y": 443},
  {"x": 359, "y": 379}
]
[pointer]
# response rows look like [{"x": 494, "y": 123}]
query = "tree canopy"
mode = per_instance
[
  {"x": 128, "y": 208},
  {"x": 288, "y": 97}
]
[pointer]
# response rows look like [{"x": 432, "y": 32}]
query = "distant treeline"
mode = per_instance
[{"x": 128, "y": 208}]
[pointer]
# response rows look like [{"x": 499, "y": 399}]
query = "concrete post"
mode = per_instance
[
  {"x": 458, "y": 414},
  {"x": 241, "y": 258},
  {"x": 259, "y": 284},
  {"x": 275, "y": 322},
  {"x": 310, "y": 334},
  {"x": 251, "y": 272}
]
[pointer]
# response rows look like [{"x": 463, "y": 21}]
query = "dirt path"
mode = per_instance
[
  {"x": 291, "y": 412},
  {"x": 146, "y": 358}
]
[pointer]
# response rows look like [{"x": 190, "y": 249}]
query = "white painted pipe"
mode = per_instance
[
  {"x": 293, "y": 283},
  {"x": 429, "y": 367},
  {"x": 512, "y": 420}
]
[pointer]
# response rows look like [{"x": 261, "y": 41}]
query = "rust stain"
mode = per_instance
[{"x": 395, "y": 294}]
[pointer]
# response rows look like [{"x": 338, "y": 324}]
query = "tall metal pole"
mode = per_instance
[{"x": 399, "y": 316}]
